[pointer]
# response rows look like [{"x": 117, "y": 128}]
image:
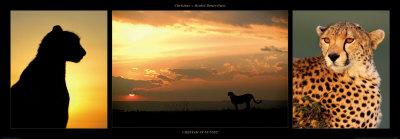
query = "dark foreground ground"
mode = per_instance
[{"x": 222, "y": 118}]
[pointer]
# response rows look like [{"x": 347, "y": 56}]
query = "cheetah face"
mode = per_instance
[
  {"x": 345, "y": 44},
  {"x": 73, "y": 50},
  {"x": 65, "y": 45}
]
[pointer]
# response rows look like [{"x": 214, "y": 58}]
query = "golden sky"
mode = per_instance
[
  {"x": 86, "y": 80},
  {"x": 198, "y": 55}
]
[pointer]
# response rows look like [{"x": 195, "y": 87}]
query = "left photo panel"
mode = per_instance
[{"x": 58, "y": 69}]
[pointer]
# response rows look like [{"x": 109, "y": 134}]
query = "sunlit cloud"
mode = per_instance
[
  {"x": 273, "y": 49},
  {"x": 279, "y": 20},
  {"x": 150, "y": 73}
]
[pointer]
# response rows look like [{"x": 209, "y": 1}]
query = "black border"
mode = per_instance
[
  {"x": 109, "y": 68},
  {"x": 290, "y": 68},
  {"x": 7, "y": 5}
]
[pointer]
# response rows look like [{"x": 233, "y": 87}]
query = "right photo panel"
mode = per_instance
[{"x": 341, "y": 73}]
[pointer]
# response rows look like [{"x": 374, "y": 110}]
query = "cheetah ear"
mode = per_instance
[
  {"x": 57, "y": 28},
  {"x": 320, "y": 30},
  {"x": 358, "y": 26},
  {"x": 376, "y": 37}
]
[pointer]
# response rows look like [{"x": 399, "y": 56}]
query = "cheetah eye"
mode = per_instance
[
  {"x": 349, "y": 40},
  {"x": 326, "y": 40}
]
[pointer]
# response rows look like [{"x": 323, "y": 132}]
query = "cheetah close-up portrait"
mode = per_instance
[{"x": 340, "y": 88}]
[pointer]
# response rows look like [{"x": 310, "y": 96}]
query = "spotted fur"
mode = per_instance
[{"x": 345, "y": 86}]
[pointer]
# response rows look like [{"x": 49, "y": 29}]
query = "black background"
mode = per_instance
[{"x": 7, "y": 5}]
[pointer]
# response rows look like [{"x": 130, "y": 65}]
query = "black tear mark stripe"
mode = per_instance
[
  {"x": 362, "y": 47},
  {"x": 347, "y": 54},
  {"x": 344, "y": 48}
]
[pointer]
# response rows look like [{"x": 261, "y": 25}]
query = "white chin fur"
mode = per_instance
[{"x": 335, "y": 68}]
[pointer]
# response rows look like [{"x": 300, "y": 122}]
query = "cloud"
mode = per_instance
[
  {"x": 150, "y": 73},
  {"x": 274, "y": 64},
  {"x": 272, "y": 48},
  {"x": 279, "y": 20},
  {"x": 194, "y": 73},
  {"x": 121, "y": 85},
  {"x": 279, "y": 66},
  {"x": 227, "y": 72},
  {"x": 227, "y": 68},
  {"x": 165, "y": 78},
  {"x": 237, "y": 18}
]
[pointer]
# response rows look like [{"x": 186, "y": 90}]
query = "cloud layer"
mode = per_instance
[
  {"x": 240, "y": 68},
  {"x": 273, "y": 49},
  {"x": 242, "y": 18}
]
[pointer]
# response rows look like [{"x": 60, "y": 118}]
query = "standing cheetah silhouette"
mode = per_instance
[
  {"x": 40, "y": 98},
  {"x": 240, "y": 99}
]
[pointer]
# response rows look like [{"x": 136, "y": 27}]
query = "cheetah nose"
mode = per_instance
[{"x": 333, "y": 56}]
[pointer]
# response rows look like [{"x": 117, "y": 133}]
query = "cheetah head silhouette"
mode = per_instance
[{"x": 62, "y": 45}]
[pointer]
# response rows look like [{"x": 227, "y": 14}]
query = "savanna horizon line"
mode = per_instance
[{"x": 186, "y": 100}]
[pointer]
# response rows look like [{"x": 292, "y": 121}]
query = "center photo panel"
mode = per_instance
[{"x": 200, "y": 69}]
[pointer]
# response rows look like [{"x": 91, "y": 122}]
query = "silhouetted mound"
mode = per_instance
[{"x": 40, "y": 98}]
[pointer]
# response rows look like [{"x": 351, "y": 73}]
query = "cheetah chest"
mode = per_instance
[{"x": 351, "y": 102}]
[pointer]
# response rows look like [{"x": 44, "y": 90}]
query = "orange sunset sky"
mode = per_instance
[
  {"x": 86, "y": 80},
  {"x": 199, "y": 55}
]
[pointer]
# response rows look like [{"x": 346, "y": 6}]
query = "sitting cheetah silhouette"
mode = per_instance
[
  {"x": 245, "y": 98},
  {"x": 40, "y": 98}
]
